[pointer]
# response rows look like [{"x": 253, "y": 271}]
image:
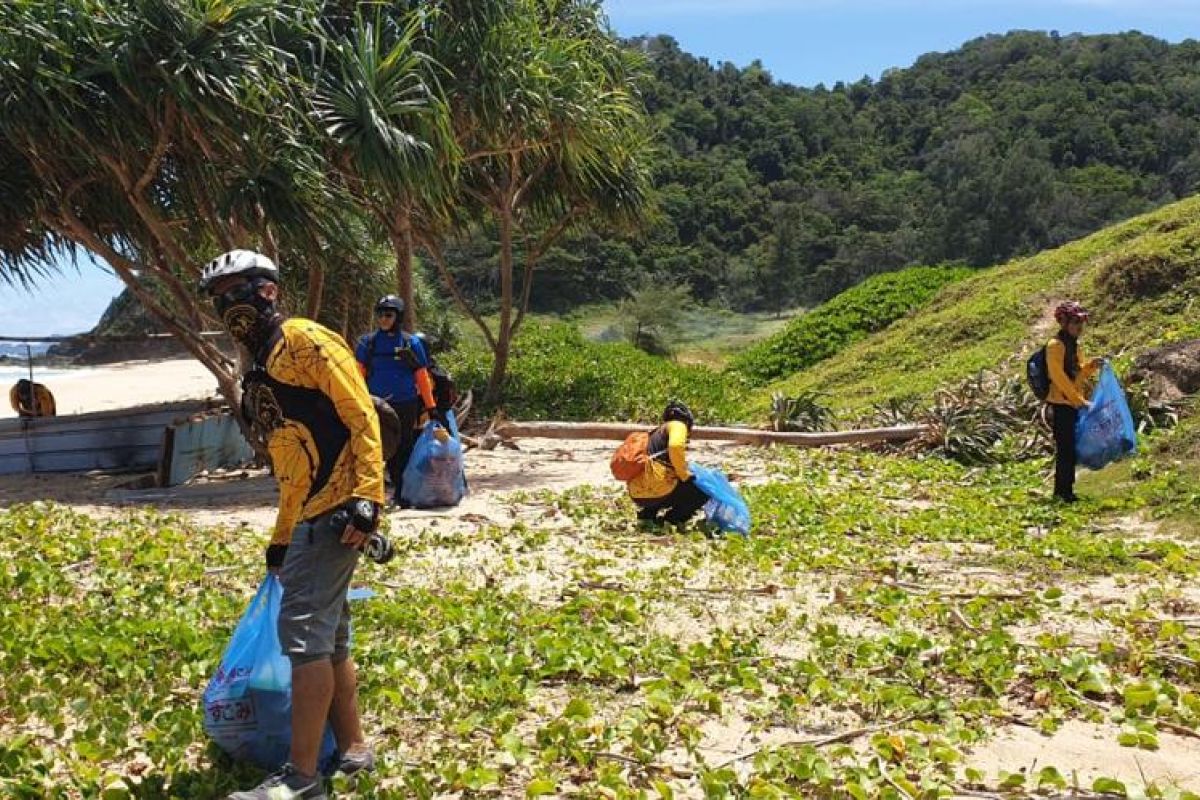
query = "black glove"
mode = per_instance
[{"x": 275, "y": 555}]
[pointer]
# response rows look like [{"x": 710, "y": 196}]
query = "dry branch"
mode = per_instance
[{"x": 837, "y": 738}]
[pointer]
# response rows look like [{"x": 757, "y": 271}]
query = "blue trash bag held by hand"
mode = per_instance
[
  {"x": 434, "y": 477},
  {"x": 248, "y": 703},
  {"x": 1105, "y": 432},
  {"x": 725, "y": 507}
]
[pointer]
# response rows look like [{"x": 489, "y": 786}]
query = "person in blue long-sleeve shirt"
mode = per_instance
[{"x": 396, "y": 367}]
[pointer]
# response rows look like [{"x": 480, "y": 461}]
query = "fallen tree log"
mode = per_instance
[{"x": 619, "y": 430}]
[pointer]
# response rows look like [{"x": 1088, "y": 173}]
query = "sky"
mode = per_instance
[{"x": 804, "y": 42}]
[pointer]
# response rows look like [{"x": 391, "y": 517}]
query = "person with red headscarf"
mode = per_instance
[{"x": 1069, "y": 373}]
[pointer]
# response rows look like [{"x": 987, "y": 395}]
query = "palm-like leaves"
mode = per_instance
[
  {"x": 151, "y": 133},
  {"x": 378, "y": 108},
  {"x": 551, "y": 127},
  {"x": 373, "y": 101},
  {"x": 154, "y": 132}
]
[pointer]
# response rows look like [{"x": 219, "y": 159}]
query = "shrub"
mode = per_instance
[
  {"x": 990, "y": 418},
  {"x": 803, "y": 412},
  {"x": 852, "y": 315},
  {"x": 1138, "y": 276},
  {"x": 555, "y": 373}
]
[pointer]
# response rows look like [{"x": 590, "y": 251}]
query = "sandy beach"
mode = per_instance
[{"x": 120, "y": 385}]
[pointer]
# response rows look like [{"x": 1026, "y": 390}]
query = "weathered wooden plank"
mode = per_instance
[
  {"x": 619, "y": 430},
  {"x": 125, "y": 439},
  {"x": 202, "y": 444},
  {"x": 164, "y": 413}
]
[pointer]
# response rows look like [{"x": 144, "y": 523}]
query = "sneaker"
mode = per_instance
[
  {"x": 357, "y": 759},
  {"x": 286, "y": 784}
]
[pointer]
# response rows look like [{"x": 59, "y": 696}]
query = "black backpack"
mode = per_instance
[
  {"x": 1038, "y": 374},
  {"x": 389, "y": 426},
  {"x": 445, "y": 393}
]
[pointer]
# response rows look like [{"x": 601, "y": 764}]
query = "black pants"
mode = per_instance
[
  {"x": 409, "y": 413},
  {"x": 1064, "y": 449},
  {"x": 683, "y": 501}
]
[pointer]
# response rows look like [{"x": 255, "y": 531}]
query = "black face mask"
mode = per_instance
[{"x": 248, "y": 316}]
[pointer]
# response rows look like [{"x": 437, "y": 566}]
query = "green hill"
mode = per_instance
[
  {"x": 1140, "y": 278},
  {"x": 853, "y": 315},
  {"x": 774, "y": 195}
]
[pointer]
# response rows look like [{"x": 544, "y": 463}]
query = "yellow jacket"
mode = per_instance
[
  {"x": 31, "y": 399},
  {"x": 321, "y": 427},
  {"x": 1064, "y": 391},
  {"x": 667, "y": 464}
]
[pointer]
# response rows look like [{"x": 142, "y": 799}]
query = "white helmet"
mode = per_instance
[{"x": 243, "y": 263}]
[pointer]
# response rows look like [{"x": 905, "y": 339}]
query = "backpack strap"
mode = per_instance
[
  {"x": 651, "y": 454},
  {"x": 371, "y": 354}
]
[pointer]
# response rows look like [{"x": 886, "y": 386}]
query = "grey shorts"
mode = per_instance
[{"x": 314, "y": 621}]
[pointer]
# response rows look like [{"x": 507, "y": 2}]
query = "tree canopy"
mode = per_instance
[
  {"x": 158, "y": 133},
  {"x": 773, "y": 194}
]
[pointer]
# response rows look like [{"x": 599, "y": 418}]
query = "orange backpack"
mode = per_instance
[{"x": 630, "y": 459}]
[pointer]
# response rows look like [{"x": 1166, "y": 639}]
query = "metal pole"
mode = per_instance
[{"x": 28, "y": 421}]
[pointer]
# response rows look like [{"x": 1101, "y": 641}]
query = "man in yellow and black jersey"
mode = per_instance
[
  {"x": 666, "y": 491},
  {"x": 305, "y": 396}
]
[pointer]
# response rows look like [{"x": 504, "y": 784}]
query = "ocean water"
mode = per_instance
[
  {"x": 18, "y": 350},
  {"x": 10, "y": 374}
]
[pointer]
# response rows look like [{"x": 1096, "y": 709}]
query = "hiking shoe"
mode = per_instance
[
  {"x": 286, "y": 784},
  {"x": 356, "y": 760}
]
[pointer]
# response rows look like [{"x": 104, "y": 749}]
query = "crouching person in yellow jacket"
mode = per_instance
[
  {"x": 31, "y": 399},
  {"x": 666, "y": 490},
  {"x": 1069, "y": 374}
]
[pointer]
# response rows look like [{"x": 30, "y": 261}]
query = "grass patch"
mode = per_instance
[
  {"x": 708, "y": 336},
  {"x": 853, "y": 315},
  {"x": 916, "y": 601},
  {"x": 994, "y": 318},
  {"x": 556, "y": 373}
]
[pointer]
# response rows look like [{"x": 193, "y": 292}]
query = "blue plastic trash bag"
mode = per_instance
[
  {"x": 725, "y": 507},
  {"x": 1105, "y": 432},
  {"x": 434, "y": 477},
  {"x": 248, "y": 703}
]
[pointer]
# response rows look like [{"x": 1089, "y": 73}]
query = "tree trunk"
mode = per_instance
[
  {"x": 346, "y": 318},
  {"x": 617, "y": 431},
  {"x": 402, "y": 244},
  {"x": 495, "y": 387},
  {"x": 316, "y": 291}
]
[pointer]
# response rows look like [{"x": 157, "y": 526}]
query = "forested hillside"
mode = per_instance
[
  {"x": 1140, "y": 279},
  {"x": 773, "y": 195}
]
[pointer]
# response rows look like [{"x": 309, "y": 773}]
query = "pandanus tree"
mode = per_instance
[
  {"x": 387, "y": 126},
  {"x": 153, "y": 135},
  {"x": 156, "y": 133},
  {"x": 552, "y": 134}
]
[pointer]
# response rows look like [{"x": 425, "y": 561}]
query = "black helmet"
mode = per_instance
[
  {"x": 676, "y": 410},
  {"x": 390, "y": 302}
]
